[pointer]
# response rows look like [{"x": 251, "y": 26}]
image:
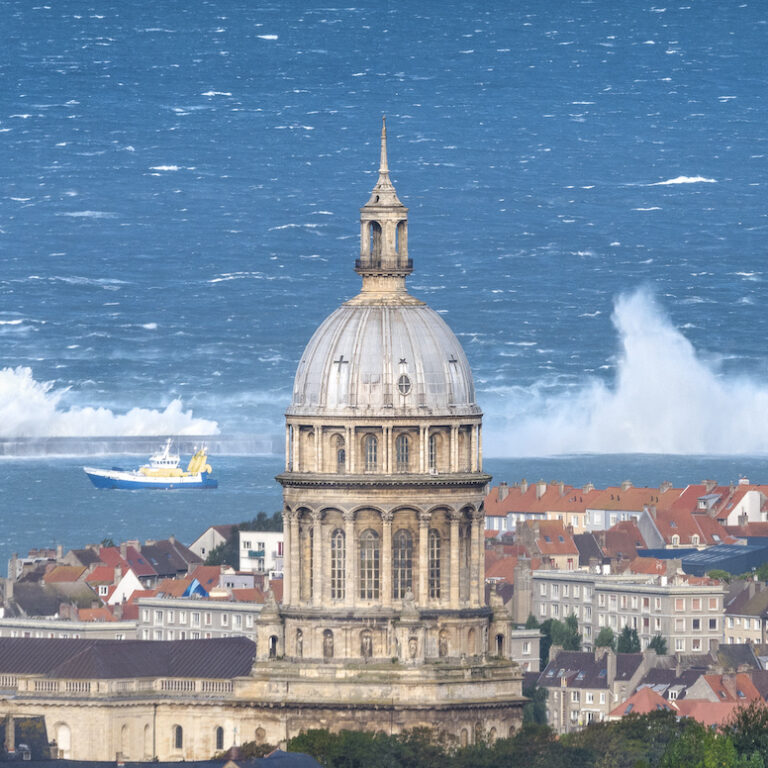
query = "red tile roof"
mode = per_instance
[
  {"x": 709, "y": 713},
  {"x": 248, "y": 595},
  {"x": 737, "y": 688},
  {"x": 641, "y": 702},
  {"x": 101, "y": 574},
  {"x": 61, "y": 574},
  {"x": 634, "y": 499},
  {"x": 95, "y": 614}
]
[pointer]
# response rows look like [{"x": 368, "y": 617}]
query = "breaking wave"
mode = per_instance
[
  {"x": 664, "y": 399},
  {"x": 30, "y": 408}
]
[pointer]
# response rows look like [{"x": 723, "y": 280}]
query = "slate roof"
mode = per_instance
[
  {"x": 36, "y": 599},
  {"x": 581, "y": 670},
  {"x": 732, "y": 656},
  {"x": 169, "y": 557},
  {"x": 218, "y": 658},
  {"x": 588, "y": 548},
  {"x": 85, "y": 556}
]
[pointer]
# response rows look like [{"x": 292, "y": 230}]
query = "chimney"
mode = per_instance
[
  {"x": 117, "y": 611},
  {"x": 626, "y": 485},
  {"x": 665, "y": 486},
  {"x": 124, "y": 550},
  {"x": 743, "y": 481},
  {"x": 172, "y": 539},
  {"x": 13, "y": 567},
  {"x": 610, "y": 666},
  {"x": 541, "y": 489},
  {"x": 561, "y": 486},
  {"x": 588, "y": 487},
  {"x": 523, "y": 486},
  {"x": 8, "y": 590},
  {"x": 503, "y": 491},
  {"x": 59, "y": 552},
  {"x": 709, "y": 485},
  {"x": 118, "y": 574}
]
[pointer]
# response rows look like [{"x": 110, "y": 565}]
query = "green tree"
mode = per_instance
[
  {"x": 531, "y": 622},
  {"x": 555, "y": 632},
  {"x": 720, "y": 575},
  {"x": 628, "y": 641},
  {"x": 658, "y": 644},
  {"x": 748, "y": 729},
  {"x": 700, "y": 747},
  {"x": 605, "y": 638},
  {"x": 535, "y": 710}
]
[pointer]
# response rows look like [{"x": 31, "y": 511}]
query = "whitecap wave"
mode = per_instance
[
  {"x": 684, "y": 180},
  {"x": 665, "y": 398},
  {"x": 30, "y": 408}
]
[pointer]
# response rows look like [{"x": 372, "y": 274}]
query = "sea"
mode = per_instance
[{"x": 180, "y": 186}]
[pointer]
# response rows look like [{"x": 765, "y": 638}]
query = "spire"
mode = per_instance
[
  {"x": 384, "y": 191},
  {"x": 383, "y": 162}
]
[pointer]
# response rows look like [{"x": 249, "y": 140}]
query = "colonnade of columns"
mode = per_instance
[
  {"x": 473, "y": 578},
  {"x": 449, "y": 457}
]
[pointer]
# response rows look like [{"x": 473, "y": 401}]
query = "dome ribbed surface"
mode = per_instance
[{"x": 381, "y": 360}]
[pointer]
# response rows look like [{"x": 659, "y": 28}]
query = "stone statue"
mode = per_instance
[
  {"x": 442, "y": 644},
  {"x": 413, "y": 646},
  {"x": 299, "y": 643},
  {"x": 366, "y": 645},
  {"x": 327, "y": 644}
]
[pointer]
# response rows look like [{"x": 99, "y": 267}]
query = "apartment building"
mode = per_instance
[
  {"x": 262, "y": 552},
  {"x": 688, "y": 614},
  {"x": 189, "y": 619}
]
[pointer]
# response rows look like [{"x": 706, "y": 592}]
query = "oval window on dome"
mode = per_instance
[{"x": 404, "y": 385}]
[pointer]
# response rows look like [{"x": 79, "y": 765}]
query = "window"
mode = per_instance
[
  {"x": 224, "y": 619},
  {"x": 695, "y": 540},
  {"x": 403, "y": 385},
  {"x": 675, "y": 541},
  {"x": 601, "y": 600},
  {"x": 249, "y": 622},
  {"x": 526, "y": 647},
  {"x": 402, "y": 563},
  {"x": 145, "y": 615},
  {"x": 646, "y": 603},
  {"x": 555, "y": 591},
  {"x": 575, "y": 696},
  {"x": 341, "y": 455},
  {"x": 178, "y": 737},
  {"x": 695, "y": 624},
  {"x": 246, "y": 543},
  {"x": 402, "y": 452},
  {"x": 369, "y": 565},
  {"x": 590, "y": 697},
  {"x": 169, "y": 617},
  {"x": 543, "y": 590},
  {"x": 713, "y": 623},
  {"x": 195, "y": 618},
  {"x": 433, "y": 451},
  {"x": 696, "y": 644},
  {"x": 208, "y": 619},
  {"x": 434, "y": 563},
  {"x": 566, "y": 590},
  {"x": 602, "y": 697},
  {"x": 371, "y": 453},
  {"x": 219, "y": 738},
  {"x": 679, "y": 644},
  {"x": 237, "y": 620},
  {"x": 158, "y": 617},
  {"x": 679, "y": 625},
  {"x": 713, "y": 604},
  {"x": 696, "y": 604},
  {"x": 103, "y": 590},
  {"x": 576, "y": 591},
  {"x": 338, "y": 565},
  {"x": 158, "y": 634},
  {"x": 679, "y": 603},
  {"x": 182, "y": 617}
]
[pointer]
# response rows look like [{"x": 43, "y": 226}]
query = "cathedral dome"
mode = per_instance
[
  {"x": 384, "y": 352},
  {"x": 371, "y": 358}
]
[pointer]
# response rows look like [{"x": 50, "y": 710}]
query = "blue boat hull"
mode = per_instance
[{"x": 106, "y": 479}]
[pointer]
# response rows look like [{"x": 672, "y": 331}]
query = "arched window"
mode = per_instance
[
  {"x": 124, "y": 740},
  {"x": 675, "y": 541},
  {"x": 341, "y": 455},
  {"x": 695, "y": 539},
  {"x": 434, "y": 563},
  {"x": 375, "y": 244},
  {"x": 178, "y": 737},
  {"x": 369, "y": 565},
  {"x": 402, "y": 563},
  {"x": 371, "y": 453},
  {"x": 402, "y": 452},
  {"x": 432, "y": 451},
  {"x": 219, "y": 738},
  {"x": 338, "y": 564}
]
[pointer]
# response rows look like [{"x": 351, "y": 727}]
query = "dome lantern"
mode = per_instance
[{"x": 383, "y": 262}]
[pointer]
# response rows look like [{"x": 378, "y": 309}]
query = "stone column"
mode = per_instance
[
  {"x": 351, "y": 452},
  {"x": 350, "y": 559},
  {"x": 423, "y": 582},
  {"x": 454, "y": 448},
  {"x": 480, "y": 447},
  {"x": 474, "y": 562},
  {"x": 294, "y": 559},
  {"x": 318, "y": 577},
  {"x": 385, "y": 571},
  {"x": 318, "y": 448},
  {"x": 422, "y": 456},
  {"x": 287, "y": 558},
  {"x": 473, "y": 448},
  {"x": 288, "y": 455},
  {"x": 453, "y": 572},
  {"x": 388, "y": 450},
  {"x": 481, "y": 558},
  {"x": 295, "y": 448}
]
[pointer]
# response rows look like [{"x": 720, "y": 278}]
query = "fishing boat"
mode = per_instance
[{"x": 163, "y": 472}]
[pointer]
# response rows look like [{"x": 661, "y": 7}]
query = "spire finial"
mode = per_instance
[{"x": 383, "y": 164}]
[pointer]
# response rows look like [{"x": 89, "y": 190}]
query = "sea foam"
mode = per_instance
[
  {"x": 30, "y": 408},
  {"x": 665, "y": 398}
]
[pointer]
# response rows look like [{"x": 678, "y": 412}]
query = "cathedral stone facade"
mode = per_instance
[{"x": 384, "y": 623}]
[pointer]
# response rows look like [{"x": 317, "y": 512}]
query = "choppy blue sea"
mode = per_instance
[{"x": 179, "y": 195}]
